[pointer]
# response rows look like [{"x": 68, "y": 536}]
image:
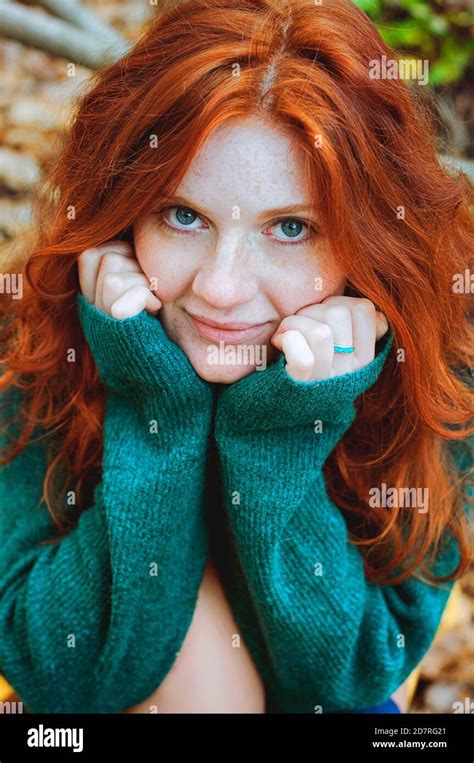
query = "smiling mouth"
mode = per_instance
[{"x": 231, "y": 336}]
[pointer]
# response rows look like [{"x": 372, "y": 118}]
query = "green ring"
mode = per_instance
[{"x": 341, "y": 348}]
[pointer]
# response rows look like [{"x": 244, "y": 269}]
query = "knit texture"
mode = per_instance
[
  {"x": 93, "y": 623},
  {"x": 332, "y": 640}
]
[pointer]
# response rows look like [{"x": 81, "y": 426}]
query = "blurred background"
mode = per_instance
[
  {"x": 440, "y": 32},
  {"x": 39, "y": 86}
]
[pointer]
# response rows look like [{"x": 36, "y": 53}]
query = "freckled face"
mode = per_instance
[{"x": 230, "y": 251}]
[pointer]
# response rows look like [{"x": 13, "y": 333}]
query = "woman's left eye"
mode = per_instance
[{"x": 292, "y": 230}]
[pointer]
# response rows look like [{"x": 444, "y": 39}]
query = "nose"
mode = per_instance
[{"x": 226, "y": 276}]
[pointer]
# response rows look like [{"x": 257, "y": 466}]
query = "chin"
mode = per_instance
[
  {"x": 227, "y": 372},
  {"x": 221, "y": 374}
]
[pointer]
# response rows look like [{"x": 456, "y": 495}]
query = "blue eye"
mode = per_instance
[
  {"x": 292, "y": 228},
  {"x": 184, "y": 215}
]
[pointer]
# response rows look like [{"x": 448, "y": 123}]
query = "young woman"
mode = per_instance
[{"x": 238, "y": 377}]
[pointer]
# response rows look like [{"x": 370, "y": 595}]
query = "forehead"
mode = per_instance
[{"x": 246, "y": 160}]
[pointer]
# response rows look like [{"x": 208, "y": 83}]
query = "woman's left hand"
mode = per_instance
[{"x": 307, "y": 338}]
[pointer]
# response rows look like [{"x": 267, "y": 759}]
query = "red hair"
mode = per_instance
[{"x": 369, "y": 150}]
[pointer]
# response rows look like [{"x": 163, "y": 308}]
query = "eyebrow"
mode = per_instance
[{"x": 290, "y": 209}]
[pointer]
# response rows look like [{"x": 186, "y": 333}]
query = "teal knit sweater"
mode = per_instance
[{"x": 94, "y": 623}]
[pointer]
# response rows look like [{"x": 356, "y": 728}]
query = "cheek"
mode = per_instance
[
  {"x": 330, "y": 281},
  {"x": 167, "y": 271},
  {"x": 308, "y": 282}
]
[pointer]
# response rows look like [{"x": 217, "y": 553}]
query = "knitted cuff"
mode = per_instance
[
  {"x": 135, "y": 356},
  {"x": 272, "y": 399}
]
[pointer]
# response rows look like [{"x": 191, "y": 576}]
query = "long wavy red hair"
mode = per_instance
[{"x": 369, "y": 148}]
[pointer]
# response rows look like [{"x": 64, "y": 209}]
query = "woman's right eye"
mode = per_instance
[{"x": 181, "y": 218}]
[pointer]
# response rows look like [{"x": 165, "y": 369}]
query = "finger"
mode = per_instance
[
  {"x": 368, "y": 324},
  {"x": 112, "y": 263},
  {"x": 364, "y": 325},
  {"x": 298, "y": 356},
  {"x": 339, "y": 318},
  {"x": 116, "y": 284},
  {"x": 88, "y": 267},
  {"x": 319, "y": 338},
  {"x": 382, "y": 324},
  {"x": 135, "y": 300},
  {"x": 88, "y": 264}
]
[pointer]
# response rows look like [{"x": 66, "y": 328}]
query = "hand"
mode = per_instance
[
  {"x": 307, "y": 338},
  {"x": 118, "y": 315},
  {"x": 274, "y": 400},
  {"x": 112, "y": 280}
]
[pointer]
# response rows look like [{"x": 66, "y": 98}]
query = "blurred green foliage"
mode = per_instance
[{"x": 428, "y": 29}]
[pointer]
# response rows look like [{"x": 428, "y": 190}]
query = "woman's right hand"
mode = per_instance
[
  {"x": 119, "y": 316},
  {"x": 112, "y": 280}
]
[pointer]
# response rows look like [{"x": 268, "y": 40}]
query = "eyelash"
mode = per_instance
[{"x": 312, "y": 230}]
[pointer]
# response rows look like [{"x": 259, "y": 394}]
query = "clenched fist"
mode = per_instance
[{"x": 112, "y": 280}]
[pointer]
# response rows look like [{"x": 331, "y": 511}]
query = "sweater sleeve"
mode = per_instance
[
  {"x": 334, "y": 640},
  {"x": 93, "y": 623}
]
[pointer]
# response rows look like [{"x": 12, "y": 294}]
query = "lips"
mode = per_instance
[{"x": 231, "y": 335}]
